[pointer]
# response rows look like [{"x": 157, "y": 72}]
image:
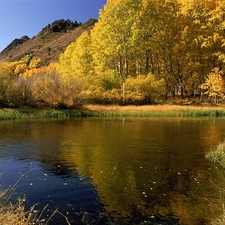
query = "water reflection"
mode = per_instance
[
  {"x": 148, "y": 167},
  {"x": 139, "y": 168}
]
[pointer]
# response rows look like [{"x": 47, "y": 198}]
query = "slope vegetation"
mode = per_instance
[{"x": 49, "y": 43}]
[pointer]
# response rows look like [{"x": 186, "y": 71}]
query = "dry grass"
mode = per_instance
[
  {"x": 41, "y": 42},
  {"x": 217, "y": 155},
  {"x": 15, "y": 214},
  {"x": 12, "y": 214},
  {"x": 133, "y": 108},
  {"x": 160, "y": 110}
]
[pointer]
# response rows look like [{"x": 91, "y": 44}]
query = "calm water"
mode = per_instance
[{"x": 116, "y": 171}]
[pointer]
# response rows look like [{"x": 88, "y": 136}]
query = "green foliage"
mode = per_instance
[
  {"x": 28, "y": 58},
  {"x": 89, "y": 23},
  {"x": 61, "y": 26}
]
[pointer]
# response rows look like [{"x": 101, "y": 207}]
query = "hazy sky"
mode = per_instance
[{"x": 28, "y": 17}]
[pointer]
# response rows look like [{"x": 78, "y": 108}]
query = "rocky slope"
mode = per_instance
[{"x": 48, "y": 44}]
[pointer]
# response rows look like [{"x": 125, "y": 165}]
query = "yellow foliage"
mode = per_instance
[
  {"x": 36, "y": 62},
  {"x": 76, "y": 61},
  {"x": 214, "y": 85},
  {"x": 21, "y": 68},
  {"x": 148, "y": 85}
]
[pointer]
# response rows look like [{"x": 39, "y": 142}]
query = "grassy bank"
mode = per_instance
[
  {"x": 115, "y": 111},
  {"x": 157, "y": 111},
  {"x": 13, "y": 114},
  {"x": 217, "y": 155}
]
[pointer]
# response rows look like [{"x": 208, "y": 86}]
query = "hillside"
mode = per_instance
[{"x": 49, "y": 43}]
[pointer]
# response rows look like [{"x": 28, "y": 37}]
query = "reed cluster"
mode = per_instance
[
  {"x": 15, "y": 214},
  {"x": 12, "y": 214},
  {"x": 217, "y": 155}
]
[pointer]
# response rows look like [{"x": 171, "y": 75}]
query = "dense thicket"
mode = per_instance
[
  {"x": 139, "y": 52},
  {"x": 179, "y": 42}
]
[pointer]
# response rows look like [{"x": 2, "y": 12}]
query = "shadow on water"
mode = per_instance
[{"x": 112, "y": 171}]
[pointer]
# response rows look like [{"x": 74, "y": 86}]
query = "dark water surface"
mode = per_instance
[{"x": 116, "y": 171}]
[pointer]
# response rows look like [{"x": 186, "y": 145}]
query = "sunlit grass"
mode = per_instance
[
  {"x": 157, "y": 111},
  {"x": 217, "y": 155},
  {"x": 14, "y": 213},
  {"x": 114, "y": 111}
]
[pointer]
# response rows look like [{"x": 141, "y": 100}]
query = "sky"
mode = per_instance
[{"x": 28, "y": 17}]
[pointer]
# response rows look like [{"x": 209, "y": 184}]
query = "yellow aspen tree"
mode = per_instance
[
  {"x": 214, "y": 85},
  {"x": 81, "y": 58},
  {"x": 111, "y": 47},
  {"x": 144, "y": 39},
  {"x": 65, "y": 61}
]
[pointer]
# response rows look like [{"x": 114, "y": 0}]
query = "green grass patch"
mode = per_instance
[
  {"x": 16, "y": 114},
  {"x": 217, "y": 155},
  {"x": 181, "y": 113},
  {"x": 112, "y": 111}
]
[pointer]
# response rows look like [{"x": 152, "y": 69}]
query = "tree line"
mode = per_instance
[{"x": 138, "y": 52}]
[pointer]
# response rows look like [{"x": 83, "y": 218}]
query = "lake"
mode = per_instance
[{"x": 115, "y": 171}]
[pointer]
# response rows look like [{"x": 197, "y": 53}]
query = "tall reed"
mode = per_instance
[{"x": 15, "y": 214}]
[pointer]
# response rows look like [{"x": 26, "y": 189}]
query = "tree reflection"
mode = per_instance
[
  {"x": 147, "y": 168},
  {"x": 141, "y": 168}
]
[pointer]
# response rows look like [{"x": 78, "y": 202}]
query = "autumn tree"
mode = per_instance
[
  {"x": 205, "y": 32},
  {"x": 179, "y": 41},
  {"x": 111, "y": 37},
  {"x": 214, "y": 85},
  {"x": 81, "y": 58}
]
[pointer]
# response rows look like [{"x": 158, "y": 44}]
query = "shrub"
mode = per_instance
[
  {"x": 143, "y": 89},
  {"x": 54, "y": 93}
]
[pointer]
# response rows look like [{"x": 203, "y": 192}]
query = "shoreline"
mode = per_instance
[{"x": 165, "y": 110}]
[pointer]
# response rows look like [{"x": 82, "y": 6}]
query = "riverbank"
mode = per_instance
[
  {"x": 114, "y": 111},
  {"x": 165, "y": 110}
]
